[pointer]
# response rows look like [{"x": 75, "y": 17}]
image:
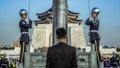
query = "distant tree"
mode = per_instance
[
  {"x": 118, "y": 49},
  {"x": 118, "y": 55},
  {"x": 7, "y": 48},
  {"x": 105, "y": 46},
  {"x": 112, "y": 47}
]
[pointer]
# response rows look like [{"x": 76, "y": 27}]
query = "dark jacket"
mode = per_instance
[
  {"x": 61, "y": 56},
  {"x": 24, "y": 28},
  {"x": 4, "y": 63},
  {"x": 114, "y": 62},
  {"x": 94, "y": 25}
]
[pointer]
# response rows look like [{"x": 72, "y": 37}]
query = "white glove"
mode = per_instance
[{"x": 91, "y": 19}]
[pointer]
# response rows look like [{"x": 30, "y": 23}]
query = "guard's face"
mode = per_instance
[
  {"x": 24, "y": 16},
  {"x": 94, "y": 15}
]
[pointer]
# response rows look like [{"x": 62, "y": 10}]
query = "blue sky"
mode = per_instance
[{"x": 109, "y": 17}]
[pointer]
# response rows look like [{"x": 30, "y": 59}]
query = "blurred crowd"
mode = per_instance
[
  {"x": 108, "y": 62},
  {"x": 9, "y": 63},
  {"x": 112, "y": 62}
]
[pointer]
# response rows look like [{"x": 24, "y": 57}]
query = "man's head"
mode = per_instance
[
  {"x": 94, "y": 12},
  {"x": 114, "y": 54},
  {"x": 5, "y": 55},
  {"x": 61, "y": 33},
  {"x": 23, "y": 13}
]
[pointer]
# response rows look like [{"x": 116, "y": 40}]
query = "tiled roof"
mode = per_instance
[{"x": 46, "y": 17}]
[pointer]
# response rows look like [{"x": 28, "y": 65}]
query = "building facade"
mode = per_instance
[{"x": 42, "y": 33}]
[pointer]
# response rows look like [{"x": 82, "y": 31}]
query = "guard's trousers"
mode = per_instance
[
  {"x": 96, "y": 43},
  {"x": 24, "y": 40},
  {"x": 22, "y": 51}
]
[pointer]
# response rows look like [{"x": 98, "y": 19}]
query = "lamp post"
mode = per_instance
[{"x": 59, "y": 9}]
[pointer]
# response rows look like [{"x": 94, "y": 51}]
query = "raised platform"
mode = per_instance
[{"x": 39, "y": 60}]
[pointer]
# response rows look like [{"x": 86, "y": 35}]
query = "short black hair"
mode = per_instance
[{"x": 61, "y": 32}]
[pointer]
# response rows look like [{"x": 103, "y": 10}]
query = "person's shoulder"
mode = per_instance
[
  {"x": 69, "y": 46},
  {"x": 51, "y": 47},
  {"x": 65, "y": 45},
  {"x": 112, "y": 58},
  {"x": 21, "y": 21}
]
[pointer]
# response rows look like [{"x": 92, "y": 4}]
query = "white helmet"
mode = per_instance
[
  {"x": 23, "y": 11},
  {"x": 96, "y": 10}
]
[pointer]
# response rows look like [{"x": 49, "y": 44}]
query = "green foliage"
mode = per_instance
[
  {"x": 7, "y": 48},
  {"x": 118, "y": 55},
  {"x": 1, "y": 55}
]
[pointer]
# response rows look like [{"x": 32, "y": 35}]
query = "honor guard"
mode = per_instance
[
  {"x": 24, "y": 30},
  {"x": 94, "y": 37},
  {"x": 4, "y": 63},
  {"x": 114, "y": 61}
]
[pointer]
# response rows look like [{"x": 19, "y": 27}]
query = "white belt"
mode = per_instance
[
  {"x": 24, "y": 32},
  {"x": 93, "y": 31}
]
